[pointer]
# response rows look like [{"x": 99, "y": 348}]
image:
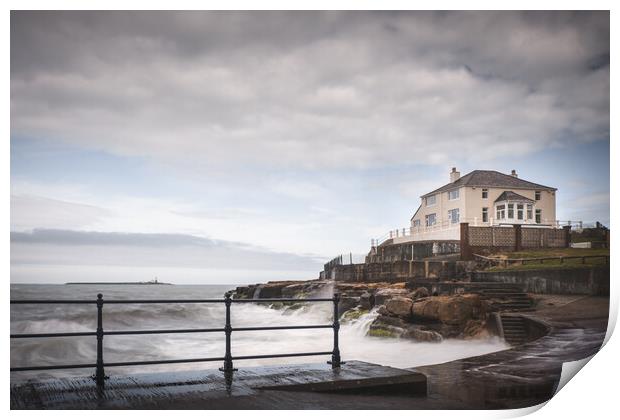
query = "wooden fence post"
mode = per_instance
[
  {"x": 566, "y": 236},
  {"x": 517, "y": 229},
  {"x": 466, "y": 254}
]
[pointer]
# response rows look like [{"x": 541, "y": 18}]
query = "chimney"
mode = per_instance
[
  {"x": 454, "y": 175},
  {"x": 514, "y": 173}
]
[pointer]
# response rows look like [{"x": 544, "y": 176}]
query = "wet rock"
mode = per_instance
[
  {"x": 419, "y": 334},
  {"x": 387, "y": 331},
  {"x": 476, "y": 329},
  {"x": 353, "y": 314},
  {"x": 244, "y": 292},
  {"x": 381, "y": 310},
  {"x": 383, "y": 295},
  {"x": 399, "y": 306},
  {"x": 293, "y": 307},
  {"x": 383, "y": 320},
  {"x": 420, "y": 292},
  {"x": 347, "y": 303},
  {"x": 295, "y": 291},
  {"x": 452, "y": 310},
  {"x": 367, "y": 300},
  {"x": 271, "y": 290}
]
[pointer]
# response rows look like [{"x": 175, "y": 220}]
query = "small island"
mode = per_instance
[{"x": 140, "y": 283}]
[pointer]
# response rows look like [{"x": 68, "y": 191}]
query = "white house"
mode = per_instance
[{"x": 481, "y": 198}]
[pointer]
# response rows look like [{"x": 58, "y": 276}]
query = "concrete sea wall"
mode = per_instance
[
  {"x": 396, "y": 271},
  {"x": 577, "y": 281}
]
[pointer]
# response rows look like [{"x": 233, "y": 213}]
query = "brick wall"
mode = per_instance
[{"x": 481, "y": 239}]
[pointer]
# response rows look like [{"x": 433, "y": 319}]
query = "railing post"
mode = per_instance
[
  {"x": 100, "y": 373},
  {"x": 336, "y": 362},
  {"x": 228, "y": 362}
]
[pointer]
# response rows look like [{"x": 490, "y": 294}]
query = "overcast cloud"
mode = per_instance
[
  {"x": 315, "y": 88},
  {"x": 297, "y": 132}
]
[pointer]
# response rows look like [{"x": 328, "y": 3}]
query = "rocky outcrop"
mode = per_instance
[
  {"x": 431, "y": 318},
  {"x": 420, "y": 292},
  {"x": 384, "y": 294},
  {"x": 418, "y": 334},
  {"x": 451, "y": 310},
  {"x": 393, "y": 327},
  {"x": 399, "y": 306},
  {"x": 403, "y": 312}
]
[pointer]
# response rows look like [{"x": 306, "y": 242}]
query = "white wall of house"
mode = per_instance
[
  {"x": 475, "y": 204},
  {"x": 470, "y": 204}
]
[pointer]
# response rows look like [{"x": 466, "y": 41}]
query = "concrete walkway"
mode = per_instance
[
  {"x": 212, "y": 388},
  {"x": 528, "y": 374}
]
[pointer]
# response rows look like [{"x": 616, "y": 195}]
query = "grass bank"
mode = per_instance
[{"x": 595, "y": 258}]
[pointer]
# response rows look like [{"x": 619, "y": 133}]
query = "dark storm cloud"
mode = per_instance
[
  {"x": 316, "y": 89},
  {"x": 136, "y": 249}
]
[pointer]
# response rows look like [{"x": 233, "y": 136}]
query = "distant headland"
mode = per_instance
[{"x": 141, "y": 283}]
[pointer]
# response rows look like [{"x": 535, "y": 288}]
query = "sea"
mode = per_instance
[{"x": 354, "y": 343}]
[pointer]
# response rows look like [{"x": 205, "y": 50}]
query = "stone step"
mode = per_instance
[
  {"x": 494, "y": 286},
  {"x": 500, "y": 291},
  {"x": 518, "y": 309},
  {"x": 513, "y": 322},
  {"x": 515, "y": 337}
]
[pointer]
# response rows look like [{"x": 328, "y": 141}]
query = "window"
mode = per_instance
[
  {"x": 520, "y": 211},
  {"x": 431, "y": 200},
  {"x": 485, "y": 193},
  {"x": 453, "y": 215},
  {"x": 537, "y": 195},
  {"x": 511, "y": 211},
  {"x": 453, "y": 195},
  {"x": 538, "y": 215},
  {"x": 501, "y": 212},
  {"x": 416, "y": 223},
  {"x": 430, "y": 219},
  {"x": 529, "y": 212},
  {"x": 485, "y": 214}
]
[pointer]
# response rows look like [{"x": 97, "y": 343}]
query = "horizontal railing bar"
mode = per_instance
[
  {"x": 161, "y": 362},
  {"x": 269, "y": 356},
  {"x": 282, "y": 300},
  {"x": 54, "y": 302},
  {"x": 287, "y": 327},
  {"x": 51, "y": 335},
  {"x": 182, "y": 331},
  {"x": 178, "y": 331},
  {"x": 118, "y": 301},
  {"x": 114, "y": 364},
  {"x": 25, "y": 368}
]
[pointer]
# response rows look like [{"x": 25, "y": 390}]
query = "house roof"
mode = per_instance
[
  {"x": 513, "y": 196},
  {"x": 416, "y": 212},
  {"x": 491, "y": 179}
]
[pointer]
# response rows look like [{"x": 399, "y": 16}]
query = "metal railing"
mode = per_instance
[
  {"x": 541, "y": 260},
  {"x": 228, "y": 358},
  {"x": 451, "y": 225}
]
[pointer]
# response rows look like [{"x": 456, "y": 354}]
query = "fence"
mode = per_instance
[
  {"x": 513, "y": 238},
  {"x": 447, "y": 229},
  {"x": 504, "y": 262},
  {"x": 228, "y": 358}
]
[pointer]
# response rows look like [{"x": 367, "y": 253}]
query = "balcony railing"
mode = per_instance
[
  {"x": 227, "y": 329},
  {"x": 421, "y": 232}
]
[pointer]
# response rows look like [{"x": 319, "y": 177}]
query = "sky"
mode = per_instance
[{"x": 211, "y": 147}]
